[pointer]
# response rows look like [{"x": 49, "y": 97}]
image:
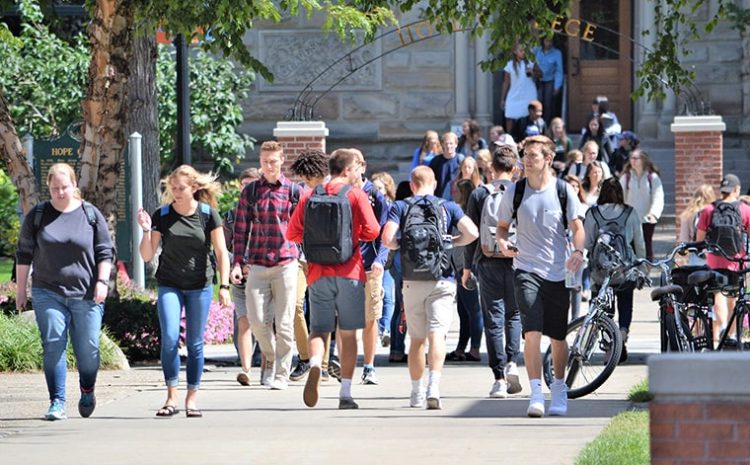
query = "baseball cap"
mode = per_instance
[
  {"x": 629, "y": 136},
  {"x": 729, "y": 182}
]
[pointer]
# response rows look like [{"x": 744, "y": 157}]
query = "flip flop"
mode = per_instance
[
  {"x": 193, "y": 413},
  {"x": 167, "y": 411}
]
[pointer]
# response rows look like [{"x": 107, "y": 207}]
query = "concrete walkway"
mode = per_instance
[{"x": 253, "y": 425}]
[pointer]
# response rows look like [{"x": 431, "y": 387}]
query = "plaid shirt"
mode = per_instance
[{"x": 261, "y": 223}]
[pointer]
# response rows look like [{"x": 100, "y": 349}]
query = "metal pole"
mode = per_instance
[
  {"x": 183, "y": 101},
  {"x": 28, "y": 146},
  {"x": 136, "y": 194}
]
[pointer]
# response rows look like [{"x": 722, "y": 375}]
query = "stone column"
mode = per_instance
[
  {"x": 461, "y": 76},
  {"x": 701, "y": 409},
  {"x": 697, "y": 156},
  {"x": 298, "y": 136},
  {"x": 482, "y": 84},
  {"x": 646, "y": 113}
]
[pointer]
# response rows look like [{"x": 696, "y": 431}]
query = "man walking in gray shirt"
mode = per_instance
[{"x": 540, "y": 259}]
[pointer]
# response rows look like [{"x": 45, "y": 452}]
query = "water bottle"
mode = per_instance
[{"x": 574, "y": 280}]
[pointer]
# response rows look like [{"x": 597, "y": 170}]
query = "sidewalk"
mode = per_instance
[{"x": 254, "y": 425}]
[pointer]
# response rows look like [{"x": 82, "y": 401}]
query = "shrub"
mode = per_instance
[
  {"x": 10, "y": 226},
  {"x": 8, "y": 298},
  {"x": 134, "y": 322},
  {"x": 21, "y": 346}
]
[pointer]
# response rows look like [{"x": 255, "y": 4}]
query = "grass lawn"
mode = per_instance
[
  {"x": 6, "y": 264},
  {"x": 624, "y": 441},
  {"x": 639, "y": 392}
]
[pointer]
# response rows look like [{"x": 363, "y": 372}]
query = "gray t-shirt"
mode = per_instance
[
  {"x": 540, "y": 236},
  {"x": 65, "y": 250}
]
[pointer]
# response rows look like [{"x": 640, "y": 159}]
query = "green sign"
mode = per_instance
[{"x": 65, "y": 149}]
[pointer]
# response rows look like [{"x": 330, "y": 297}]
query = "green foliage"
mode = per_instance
[
  {"x": 133, "y": 322},
  {"x": 216, "y": 90},
  {"x": 43, "y": 77},
  {"x": 230, "y": 194},
  {"x": 10, "y": 225},
  {"x": 639, "y": 392},
  {"x": 624, "y": 441},
  {"x": 6, "y": 268},
  {"x": 21, "y": 346}
]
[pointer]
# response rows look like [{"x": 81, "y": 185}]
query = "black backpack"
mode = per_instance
[
  {"x": 725, "y": 230},
  {"x": 612, "y": 233},
  {"x": 39, "y": 211},
  {"x": 327, "y": 236},
  {"x": 423, "y": 250}
]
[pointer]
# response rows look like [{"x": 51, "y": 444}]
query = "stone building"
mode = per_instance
[{"x": 410, "y": 82}]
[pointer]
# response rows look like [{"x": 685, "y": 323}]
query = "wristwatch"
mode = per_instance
[{"x": 224, "y": 286}]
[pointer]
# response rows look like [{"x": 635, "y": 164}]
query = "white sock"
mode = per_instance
[
  {"x": 559, "y": 380},
  {"x": 536, "y": 387},
  {"x": 416, "y": 386},
  {"x": 316, "y": 361},
  {"x": 346, "y": 388},
  {"x": 433, "y": 384}
]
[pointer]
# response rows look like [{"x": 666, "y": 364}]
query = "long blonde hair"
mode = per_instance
[
  {"x": 388, "y": 183},
  {"x": 702, "y": 196},
  {"x": 476, "y": 178},
  {"x": 66, "y": 170},
  {"x": 207, "y": 188}
]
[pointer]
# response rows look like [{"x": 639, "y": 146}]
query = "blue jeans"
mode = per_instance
[
  {"x": 470, "y": 316},
  {"x": 55, "y": 316},
  {"x": 502, "y": 318},
  {"x": 398, "y": 345},
  {"x": 170, "y": 303},
  {"x": 384, "y": 324}
]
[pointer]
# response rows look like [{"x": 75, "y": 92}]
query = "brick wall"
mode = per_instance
[
  {"x": 298, "y": 136},
  {"x": 697, "y": 155},
  {"x": 700, "y": 414}
]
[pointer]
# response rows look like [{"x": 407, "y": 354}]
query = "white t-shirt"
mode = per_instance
[{"x": 540, "y": 236}]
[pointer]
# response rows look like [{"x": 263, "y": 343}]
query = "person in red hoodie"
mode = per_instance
[{"x": 337, "y": 292}]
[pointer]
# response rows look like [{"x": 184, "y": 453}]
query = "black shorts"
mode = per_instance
[{"x": 543, "y": 304}]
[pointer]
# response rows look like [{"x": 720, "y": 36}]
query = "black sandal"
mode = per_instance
[
  {"x": 455, "y": 357},
  {"x": 167, "y": 411},
  {"x": 193, "y": 413}
]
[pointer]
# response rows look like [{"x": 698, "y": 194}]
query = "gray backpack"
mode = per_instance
[
  {"x": 611, "y": 232},
  {"x": 488, "y": 221}
]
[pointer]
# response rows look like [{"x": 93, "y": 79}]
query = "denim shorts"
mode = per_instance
[
  {"x": 544, "y": 304},
  {"x": 333, "y": 297}
]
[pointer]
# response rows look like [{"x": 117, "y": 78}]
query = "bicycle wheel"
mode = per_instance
[
  {"x": 593, "y": 361},
  {"x": 701, "y": 328},
  {"x": 743, "y": 328},
  {"x": 677, "y": 341}
]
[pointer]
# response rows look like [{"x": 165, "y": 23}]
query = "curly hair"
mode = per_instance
[{"x": 311, "y": 164}]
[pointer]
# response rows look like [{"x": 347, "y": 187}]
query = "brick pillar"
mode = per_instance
[
  {"x": 298, "y": 136},
  {"x": 697, "y": 157},
  {"x": 700, "y": 414}
]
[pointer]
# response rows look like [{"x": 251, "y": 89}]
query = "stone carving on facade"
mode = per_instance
[{"x": 296, "y": 57}]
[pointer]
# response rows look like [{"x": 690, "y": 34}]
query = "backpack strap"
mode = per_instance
[
  {"x": 88, "y": 209},
  {"x": 38, "y": 213},
  {"x": 518, "y": 197},
  {"x": 562, "y": 196},
  {"x": 164, "y": 210}
]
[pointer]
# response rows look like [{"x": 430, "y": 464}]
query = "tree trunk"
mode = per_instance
[
  {"x": 105, "y": 106},
  {"x": 14, "y": 157},
  {"x": 143, "y": 115}
]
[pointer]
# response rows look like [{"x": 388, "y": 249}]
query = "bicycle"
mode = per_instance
[{"x": 594, "y": 340}]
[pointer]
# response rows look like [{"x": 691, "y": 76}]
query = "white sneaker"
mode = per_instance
[
  {"x": 499, "y": 389},
  {"x": 267, "y": 374},
  {"x": 536, "y": 406},
  {"x": 511, "y": 377},
  {"x": 279, "y": 384},
  {"x": 558, "y": 406},
  {"x": 417, "y": 399}
]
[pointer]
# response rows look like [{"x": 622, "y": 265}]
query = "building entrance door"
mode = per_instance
[{"x": 601, "y": 67}]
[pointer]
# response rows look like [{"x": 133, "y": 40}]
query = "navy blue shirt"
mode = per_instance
[
  {"x": 397, "y": 214},
  {"x": 445, "y": 170},
  {"x": 375, "y": 251}
]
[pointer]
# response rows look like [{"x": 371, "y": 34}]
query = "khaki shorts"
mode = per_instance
[
  {"x": 429, "y": 306},
  {"x": 374, "y": 294}
]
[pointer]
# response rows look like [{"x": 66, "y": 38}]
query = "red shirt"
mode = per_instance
[
  {"x": 714, "y": 261},
  {"x": 365, "y": 227}
]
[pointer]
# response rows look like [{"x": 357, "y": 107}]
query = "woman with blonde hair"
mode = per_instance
[
  {"x": 484, "y": 161},
  {"x": 467, "y": 169},
  {"x": 385, "y": 184},
  {"x": 186, "y": 227},
  {"x": 68, "y": 242},
  {"x": 702, "y": 196},
  {"x": 429, "y": 148}
]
